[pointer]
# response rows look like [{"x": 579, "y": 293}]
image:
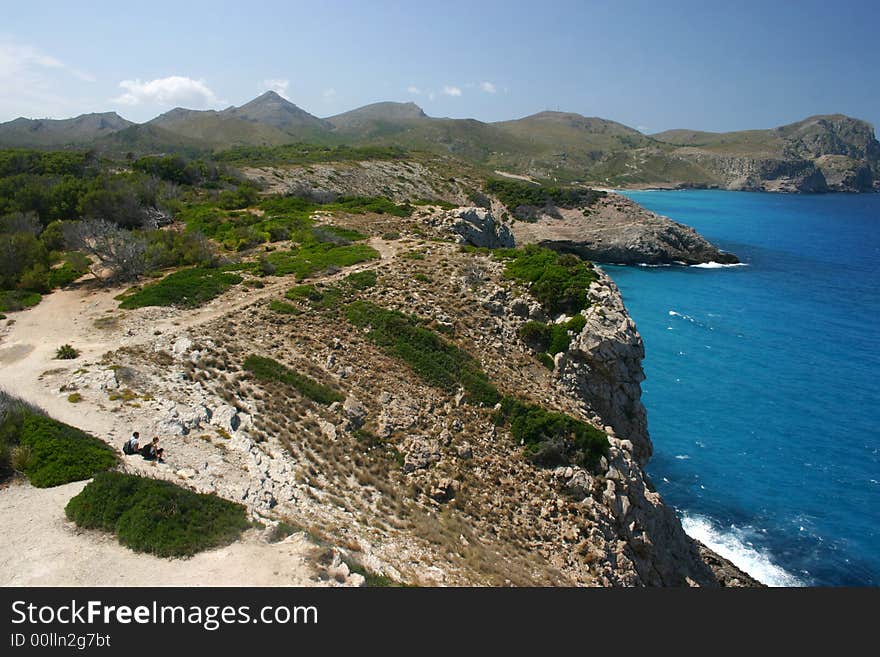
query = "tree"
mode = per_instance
[{"x": 119, "y": 251}]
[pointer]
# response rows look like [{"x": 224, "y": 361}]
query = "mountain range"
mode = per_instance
[{"x": 821, "y": 153}]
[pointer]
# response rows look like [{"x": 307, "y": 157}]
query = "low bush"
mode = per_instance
[
  {"x": 283, "y": 308},
  {"x": 66, "y": 352},
  {"x": 324, "y": 298},
  {"x": 437, "y": 361},
  {"x": 523, "y": 198},
  {"x": 149, "y": 515},
  {"x": 267, "y": 369},
  {"x": 362, "y": 280},
  {"x": 552, "y": 438},
  {"x": 188, "y": 288},
  {"x": 560, "y": 282},
  {"x": 49, "y": 452},
  {"x": 319, "y": 256},
  {"x": 11, "y": 300}
]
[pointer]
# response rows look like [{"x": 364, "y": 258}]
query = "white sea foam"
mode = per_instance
[
  {"x": 673, "y": 313},
  {"x": 682, "y": 457},
  {"x": 733, "y": 544},
  {"x": 719, "y": 265}
]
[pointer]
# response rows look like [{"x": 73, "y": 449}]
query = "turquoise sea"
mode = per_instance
[{"x": 762, "y": 381}]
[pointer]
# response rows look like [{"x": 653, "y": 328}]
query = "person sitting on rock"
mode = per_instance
[
  {"x": 132, "y": 445},
  {"x": 152, "y": 451}
]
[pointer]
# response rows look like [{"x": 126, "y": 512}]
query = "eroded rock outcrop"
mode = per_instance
[
  {"x": 618, "y": 231},
  {"x": 477, "y": 227}
]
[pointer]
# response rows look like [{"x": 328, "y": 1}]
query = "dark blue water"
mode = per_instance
[{"x": 762, "y": 381}]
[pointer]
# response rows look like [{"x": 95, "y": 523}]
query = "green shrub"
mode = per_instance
[
  {"x": 148, "y": 515},
  {"x": 74, "y": 398},
  {"x": 283, "y": 308},
  {"x": 536, "y": 335},
  {"x": 267, "y": 369},
  {"x": 560, "y": 282},
  {"x": 76, "y": 265},
  {"x": 319, "y": 256},
  {"x": 307, "y": 153},
  {"x": 281, "y": 531},
  {"x": 521, "y": 196},
  {"x": 551, "y": 338},
  {"x": 66, "y": 352},
  {"x": 21, "y": 457},
  {"x": 552, "y": 438},
  {"x": 546, "y": 360},
  {"x": 11, "y": 300},
  {"x": 337, "y": 234},
  {"x": 439, "y": 362},
  {"x": 57, "y": 453},
  {"x": 362, "y": 280},
  {"x": 188, "y": 288},
  {"x": 325, "y": 298}
]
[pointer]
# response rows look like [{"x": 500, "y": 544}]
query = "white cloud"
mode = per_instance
[
  {"x": 276, "y": 85},
  {"x": 174, "y": 90},
  {"x": 329, "y": 93},
  {"x": 488, "y": 87},
  {"x": 451, "y": 91},
  {"x": 412, "y": 89}
]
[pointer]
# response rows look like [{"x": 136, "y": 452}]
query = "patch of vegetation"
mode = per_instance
[
  {"x": 307, "y": 154},
  {"x": 267, "y": 369},
  {"x": 49, "y": 452},
  {"x": 324, "y": 298},
  {"x": 74, "y": 398},
  {"x": 149, "y": 515},
  {"x": 283, "y": 308},
  {"x": 552, "y": 438},
  {"x": 559, "y": 281},
  {"x": 66, "y": 352},
  {"x": 338, "y": 234},
  {"x": 424, "y": 278},
  {"x": 551, "y": 338},
  {"x": 188, "y": 288},
  {"x": 362, "y": 280},
  {"x": 522, "y": 198},
  {"x": 281, "y": 531},
  {"x": 413, "y": 255},
  {"x": 11, "y": 300},
  {"x": 437, "y": 361},
  {"x": 371, "y": 579},
  {"x": 319, "y": 256}
]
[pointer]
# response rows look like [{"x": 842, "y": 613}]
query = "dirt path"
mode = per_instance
[{"x": 42, "y": 548}]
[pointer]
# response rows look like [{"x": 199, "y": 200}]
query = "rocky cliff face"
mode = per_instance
[
  {"x": 831, "y": 153},
  {"x": 619, "y": 231},
  {"x": 406, "y": 477}
]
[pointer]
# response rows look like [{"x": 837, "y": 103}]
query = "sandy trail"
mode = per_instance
[{"x": 40, "y": 547}]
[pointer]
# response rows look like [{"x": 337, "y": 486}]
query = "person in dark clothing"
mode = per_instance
[{"x": 152, "y": 451}]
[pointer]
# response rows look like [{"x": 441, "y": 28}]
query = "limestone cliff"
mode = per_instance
[
  {"x": 619, "y": 231},
  {"x": 829, "y": 153},
  {"x": 405, "y": 477}
]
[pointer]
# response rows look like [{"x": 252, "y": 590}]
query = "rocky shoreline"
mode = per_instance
[{"x": 616, "y": 230}]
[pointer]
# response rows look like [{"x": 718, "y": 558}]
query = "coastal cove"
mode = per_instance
[{"x": 761, "y": 387}]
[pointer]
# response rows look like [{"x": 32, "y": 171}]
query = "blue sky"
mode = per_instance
[{"x": 651, "y": 65}]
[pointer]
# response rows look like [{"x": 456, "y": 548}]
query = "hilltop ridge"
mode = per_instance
[{"x": 820, "y": 153}]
